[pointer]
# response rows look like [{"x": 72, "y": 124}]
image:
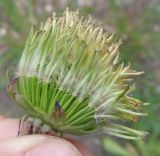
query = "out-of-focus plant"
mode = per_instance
[{"x": 136, "y": 148}]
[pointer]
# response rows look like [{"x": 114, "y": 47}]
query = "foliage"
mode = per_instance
[{"x": 137, "y": 148}]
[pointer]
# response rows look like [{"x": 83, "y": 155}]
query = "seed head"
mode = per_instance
[{"x": 69, "y": 77}]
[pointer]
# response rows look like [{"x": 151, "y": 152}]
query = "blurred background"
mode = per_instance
[{"x": 137, "y": 22}]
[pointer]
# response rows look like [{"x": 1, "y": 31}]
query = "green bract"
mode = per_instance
[{"x": 70, "y": 78}]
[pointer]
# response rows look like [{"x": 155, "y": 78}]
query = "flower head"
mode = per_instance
[{"x": 69, "y": 77}]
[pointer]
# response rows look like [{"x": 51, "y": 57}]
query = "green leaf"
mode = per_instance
[
  {"x": 12, "y": 12},
  {"x": 142, "y": 147},
  {"x": 114, "y": 148}
]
